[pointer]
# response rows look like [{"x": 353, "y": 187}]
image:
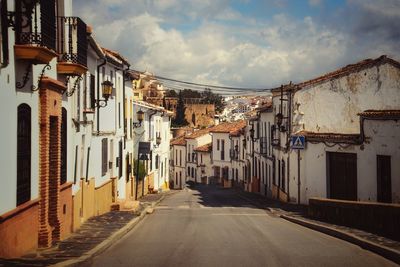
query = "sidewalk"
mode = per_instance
[
  {"x": 94, "y": 236},
  {"x": 385, "y": 247}
]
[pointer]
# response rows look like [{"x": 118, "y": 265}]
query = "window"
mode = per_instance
[
  {"x": 222, "y": 149},
  {"x": 63, "y": 174},
  {"x": 283, "y": 175},
  {"x": 119, "y": 115},
  {"x": 92, "y": 91},
  {"x": 104, "y": 156},
  {"x": 217, "y": 144},
  {"x": 188, "y": 171},
  {"x": 24, "y": 154},
  {"x": 157, "y": 162},
  {"x": 180, "y": 157}
]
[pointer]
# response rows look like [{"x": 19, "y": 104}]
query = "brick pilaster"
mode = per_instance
[{"x": 49, "y": 161}]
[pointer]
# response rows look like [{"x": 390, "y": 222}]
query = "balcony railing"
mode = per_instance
[
  {"x": 72, "y": 41},
  {"x": 35, "y": 23},
  {"x": 234, "y": 154}
]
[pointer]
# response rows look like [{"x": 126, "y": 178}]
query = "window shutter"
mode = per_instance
[{"x": 104, "y": 156}]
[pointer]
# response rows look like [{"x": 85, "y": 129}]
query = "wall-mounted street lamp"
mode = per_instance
[
  {"x": 252, "y": 133},
  {"x": 106, "y": 89},
  {"x": 140, "y": 117}
]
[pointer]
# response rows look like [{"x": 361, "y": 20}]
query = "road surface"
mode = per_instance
[{"x": 208, "y": 226}]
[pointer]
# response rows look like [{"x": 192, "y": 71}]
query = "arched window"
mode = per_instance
[
  {"x": 63, "y": 175},
  {"x": 24, "y": 154}
]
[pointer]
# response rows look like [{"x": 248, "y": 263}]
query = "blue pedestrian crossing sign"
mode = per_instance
[{"x": 298, "y": 142}]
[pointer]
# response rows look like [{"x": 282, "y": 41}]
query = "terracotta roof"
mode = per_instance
[
  {"x": 331, "y": 137},
  {"x": 153, "y": 107},
  {"x": 367, "y": 63},
  {"x": 229, "y": 127},
  {"x": 199, "y": 133},
  {"x": 179, "y": 141},
  {"x": 380, "y": 114},
  {"x": 116, "y": 55},
  {"x": 265, "y": 107},
  {"x": 205, "y": 148}
]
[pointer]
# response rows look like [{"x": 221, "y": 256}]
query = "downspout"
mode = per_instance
[{"x": 98, "y": 94}]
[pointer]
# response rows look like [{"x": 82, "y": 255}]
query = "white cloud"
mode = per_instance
[{"x": 245, "y": 53}]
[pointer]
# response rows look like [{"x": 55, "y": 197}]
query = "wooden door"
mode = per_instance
[
  {"x": 384, "y": 179},
  {"x": 342, "y": 175}
]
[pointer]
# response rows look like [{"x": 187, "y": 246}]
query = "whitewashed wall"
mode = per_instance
[
  {"x": 332, "y": 106},
  {"x": 384, "y": 140}
]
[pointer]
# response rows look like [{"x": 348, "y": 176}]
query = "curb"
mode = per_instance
[
  {"x": 383, "y": 251},
  {"x": 109, "y": 241}
]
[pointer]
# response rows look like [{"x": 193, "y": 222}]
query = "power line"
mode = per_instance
[{"x": 226, "y": 90}]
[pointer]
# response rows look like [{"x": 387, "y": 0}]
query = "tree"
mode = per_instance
[
  {"x": 211, "y": 98},
  {"x": 142, "y": 169},
  {"x": 187, "y": 93},
  {"x": 171, "y": 93},
  {"x": 180, "y": 112}
]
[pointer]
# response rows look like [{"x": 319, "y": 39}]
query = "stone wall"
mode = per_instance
[{"x": 379, "y": 218}]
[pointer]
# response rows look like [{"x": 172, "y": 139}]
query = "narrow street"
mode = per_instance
[{"x": 208, "y": 226}]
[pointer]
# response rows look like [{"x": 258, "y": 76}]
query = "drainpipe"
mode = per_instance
[{"x": 98, "y": 94}]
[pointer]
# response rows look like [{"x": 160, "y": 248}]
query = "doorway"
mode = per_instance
[
  {"x": 384, "y": 179},
  {"x": 342, "y": 175}
]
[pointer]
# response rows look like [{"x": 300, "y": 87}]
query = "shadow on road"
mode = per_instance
[{"x": 217, "y": 196}]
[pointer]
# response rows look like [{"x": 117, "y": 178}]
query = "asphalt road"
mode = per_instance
[{"x": 207, "y": 226}]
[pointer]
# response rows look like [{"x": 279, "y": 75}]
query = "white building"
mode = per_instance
[
  {"x": 204, "y": 162},
  {"x": 178, "y": 162},
  {"x": 194, "y": 140},
  {"x": 350, "y": 120},
  {"x": 155, "y": 129},
  {"x": 221, "y": 147}
]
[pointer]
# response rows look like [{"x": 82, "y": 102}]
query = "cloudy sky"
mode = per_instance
[{"x": 244, "y": 43}]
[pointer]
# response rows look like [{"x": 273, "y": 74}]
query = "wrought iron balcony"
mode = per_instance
[
  {"x": 35, "y": 23},
  {"x": 72, "y": 41},
  {"x": 234, "y": 154}
]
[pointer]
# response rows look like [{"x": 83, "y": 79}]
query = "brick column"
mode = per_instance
[{"x": 50, "y": 160}]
